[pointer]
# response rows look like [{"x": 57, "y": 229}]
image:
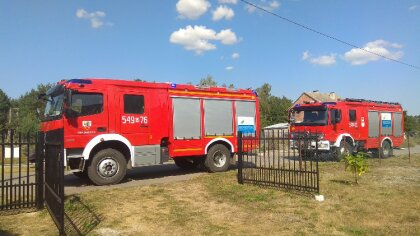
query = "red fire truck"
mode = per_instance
[
  {"x": 108, "y": 126},
  {"x": 350, "y": 125}
]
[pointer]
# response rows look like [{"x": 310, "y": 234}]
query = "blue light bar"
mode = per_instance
[{"x": 79, "y": 81}]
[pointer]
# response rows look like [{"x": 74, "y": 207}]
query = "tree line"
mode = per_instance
[{"x": 21, "y": 114}]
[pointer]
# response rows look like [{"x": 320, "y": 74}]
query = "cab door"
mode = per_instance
[
  {"x": 89, "y": 118},
  {"x": 354, "y": 122},
  {"x": 134, "y": 116}
]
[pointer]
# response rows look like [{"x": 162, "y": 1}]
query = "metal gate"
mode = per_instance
[
  {"x": 21, "y": 172},
  {"x": 54, "y": 176},
  {"x": 274, "y": 159}
]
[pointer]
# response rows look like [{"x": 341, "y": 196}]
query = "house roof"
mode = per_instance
[
  {"x": 320, "y": 97},
  {"x": 323, "y": 97}
]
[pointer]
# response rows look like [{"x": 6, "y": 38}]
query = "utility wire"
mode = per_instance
[{"x": 326, "y": 35}]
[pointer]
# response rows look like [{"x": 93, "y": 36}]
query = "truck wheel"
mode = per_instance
[
  {"x": 108, "y": 166},
  {"x": 217, "y": 159},
  {"x": 344, "y": 149},
  {"x": 386, "y": 150},
  {"x": 187, "y": 163}
]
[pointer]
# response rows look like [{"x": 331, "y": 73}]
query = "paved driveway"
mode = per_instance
[{"x": 403, "y": 151}]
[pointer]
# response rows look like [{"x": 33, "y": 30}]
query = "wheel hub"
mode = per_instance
[
  {"x": 219, "y": 159},
  {"x": 108, "y": 167}
]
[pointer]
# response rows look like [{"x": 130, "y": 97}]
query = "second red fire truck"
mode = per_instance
[
  {"x": 350, "y": 125},
  {"x": 108, "y": 126}
]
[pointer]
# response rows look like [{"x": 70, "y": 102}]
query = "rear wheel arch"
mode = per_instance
[
  {"x": 221, "y": 141},
  {"x": 387, "y": 139}
]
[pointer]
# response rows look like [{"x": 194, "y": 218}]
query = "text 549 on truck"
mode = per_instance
[
  {"x": 349, "y": 125},
  {"x": 108, "y": 126}
]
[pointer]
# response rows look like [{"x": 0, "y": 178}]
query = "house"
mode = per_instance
[
  {"x": 311, "y": 97},
  {"x": 316, "y": 96}
]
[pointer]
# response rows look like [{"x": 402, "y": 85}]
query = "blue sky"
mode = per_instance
[{"x": 185, "y": 40}]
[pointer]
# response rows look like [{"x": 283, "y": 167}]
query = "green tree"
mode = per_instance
[
  {"x": 208, "y": 82},
  {"x": 4, "y": 110},
  {"x": 273, "y": 109},
  {"x": 357, "y": 164},
  {"x": 28, "y": 105}
]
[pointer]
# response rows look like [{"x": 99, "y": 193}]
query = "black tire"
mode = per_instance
[
  {"x": 217, "y": 159},
  {"x": 187, "y": 163},
  {"x": 344, "y": 149},
  {"x": 81, "y": 174},
  {"x": 107, "y": 167},
  {"x": 386, "y": 150}
]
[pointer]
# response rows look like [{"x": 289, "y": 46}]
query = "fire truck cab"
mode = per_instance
[
  {"x": 107, "y": 126},
  {"x": 350, "y": 125}
]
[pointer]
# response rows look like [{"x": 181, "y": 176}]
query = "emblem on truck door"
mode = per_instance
[{"x": 86, "y": 124}]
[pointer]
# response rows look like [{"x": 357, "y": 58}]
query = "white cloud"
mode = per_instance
[
  {"x": 305, "y": 55},
  {"x": 223, "y": 12},
  {"x": 192, "y": 9},
  {"x": 412, "y": 8},
  {"x": 358, "y": 56},
  {"x": 229, "y": 68},
  {"x": 95, "y": 18},
  {"x": 198, "y": 38},
  {"x": 325, "y": 60},
  {"x": 235, "y": 55},
  {"x": 228, "y": 1},
  {"x": 227, "y": 36},
  {"x": 268, "y": 6}
]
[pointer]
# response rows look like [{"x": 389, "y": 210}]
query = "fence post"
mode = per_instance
[
  {"x": 240, "y": 158},
  {"x": 317, "y": 167},
  {"x": 39, "y": 171},
  {"x": 409, "y": 151}
]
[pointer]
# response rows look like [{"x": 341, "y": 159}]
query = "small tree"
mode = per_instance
[{"x": 356, "y": 164}]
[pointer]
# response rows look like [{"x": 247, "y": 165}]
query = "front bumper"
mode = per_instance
[{"x": 310, "y": 145}]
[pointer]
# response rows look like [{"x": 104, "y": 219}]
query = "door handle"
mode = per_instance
[{"x": 101, "y": 129}]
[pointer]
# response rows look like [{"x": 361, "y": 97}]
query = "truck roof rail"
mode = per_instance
[{"x": 372, "y": 101}]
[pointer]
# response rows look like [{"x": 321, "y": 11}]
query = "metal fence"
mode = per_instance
[
  {"x": 54, "y": 176},
  {"x": 20, "y": 171},
  {"x": 279, "y": 161}
]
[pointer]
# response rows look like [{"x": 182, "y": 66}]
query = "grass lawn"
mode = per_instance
[{"x": 385, "y": 202}]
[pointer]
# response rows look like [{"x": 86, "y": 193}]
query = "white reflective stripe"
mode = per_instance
[
  {"x": 220, "y": 139},
  {"x": 338, "y": 141},
  {"x": 386, "y": 138},
  {"x": 106, "y": 137}
]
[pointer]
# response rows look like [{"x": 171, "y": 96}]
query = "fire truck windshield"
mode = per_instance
[
  {"x": 54, "y": 106},
  {"x": 312, "y": 116}
]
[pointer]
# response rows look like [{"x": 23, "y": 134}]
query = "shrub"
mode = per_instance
[{"x": 357, "y": 164}]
